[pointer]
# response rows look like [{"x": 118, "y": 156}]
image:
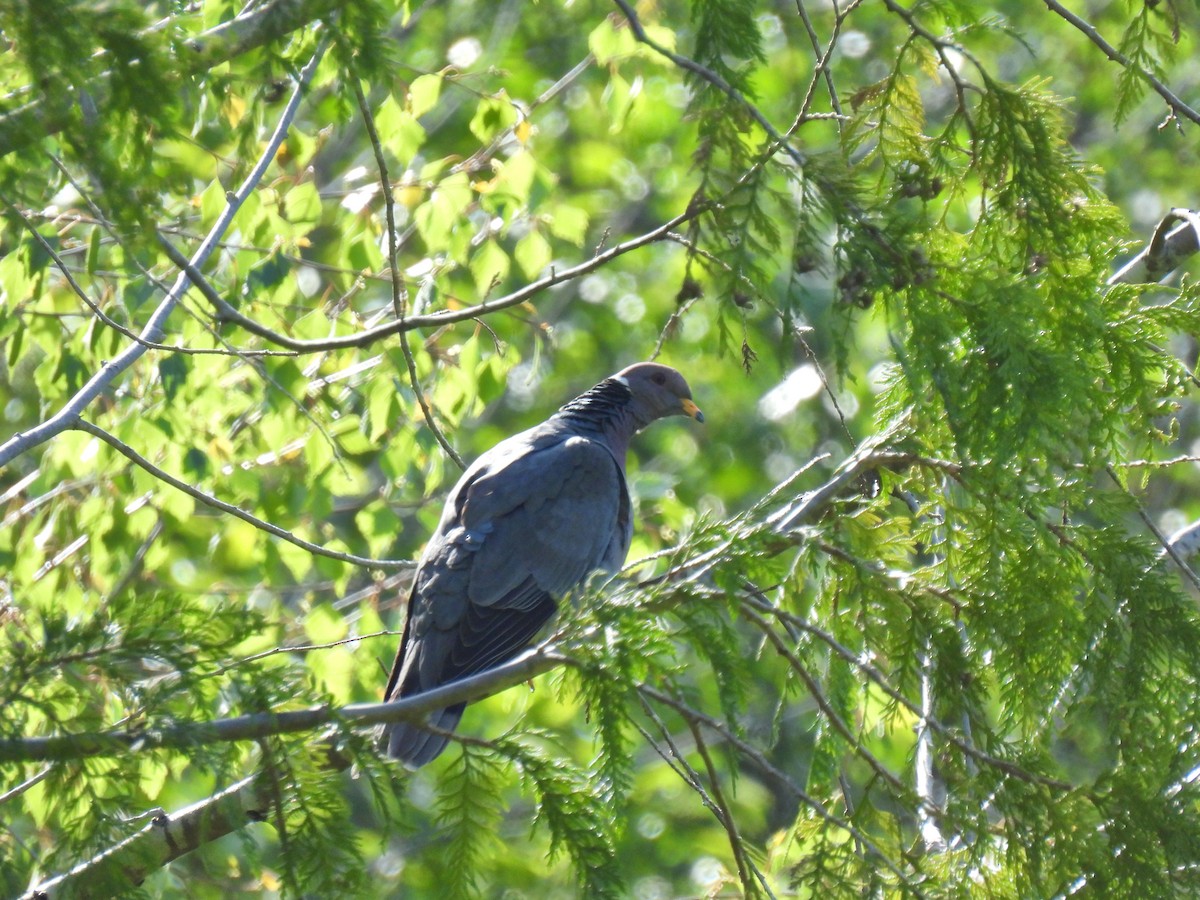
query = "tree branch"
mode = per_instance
[
  {"x": 209, "y": 500},
  {"x": 69, "y": 414},
  {"x": 228, "y": 313},
  {"x": 253, "y": 726},
  {"x": 1168, "y": 249},
  {"x": 126, "y": 865},
  {"x": 399, "y": 295},
  {"x": 1177, "y": 106}
]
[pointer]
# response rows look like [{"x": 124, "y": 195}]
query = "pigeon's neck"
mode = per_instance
[{"x": 606, "y": 411}]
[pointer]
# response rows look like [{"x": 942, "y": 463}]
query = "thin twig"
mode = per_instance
[
  {"x": 1178, "y": 107},
  {"x": 25, "y": 785},
  {"x": 822, "y": 68},
  {"x": 1171, "y": 548},
  {"x": 254, "y": 726},
  {"x": 202, "y": 284},
  {"x": 399, "y": 292},
  {"x": 872, "y": 672},
  {"x": 209, "y": 500},
  {"x": 450, "y": 316},
  {"x": 737, "y": 845},
  {"x": 831, "y": 715},
  {"x": 760, "y": 760},
  {"x": 298, "y": 648},
  {"x": 713, "y": 78}
]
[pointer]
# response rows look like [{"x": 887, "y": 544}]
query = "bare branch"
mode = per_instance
[
  {"x": 252, "y": 727},
  {"x": 1177, "y": 106},
  {"x": 399, "y": 294},
  {"x": 153, "y": 331},
  {"x": 209, "y": 500},
  {"x": 125, "y": 865},
  {"x": 450, "y": 316},
  {"x": 1168, "y": 249}
]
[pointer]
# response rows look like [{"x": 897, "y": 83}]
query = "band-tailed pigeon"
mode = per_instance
[{"x": 528, "y": 521}]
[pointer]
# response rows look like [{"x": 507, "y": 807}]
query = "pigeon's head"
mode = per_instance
[{"x": 657, "y": 391}]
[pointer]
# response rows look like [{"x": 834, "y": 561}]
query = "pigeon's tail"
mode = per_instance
[{"x": 415, "y": 746}]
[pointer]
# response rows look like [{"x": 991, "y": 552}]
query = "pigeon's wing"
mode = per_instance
[{"x": 529, "y": 521}]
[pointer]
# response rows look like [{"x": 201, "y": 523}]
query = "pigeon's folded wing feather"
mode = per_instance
[{"x": 526, "y": 532}]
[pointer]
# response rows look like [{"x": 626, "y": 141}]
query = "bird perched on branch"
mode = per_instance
[{"x": 527, "y": 522}]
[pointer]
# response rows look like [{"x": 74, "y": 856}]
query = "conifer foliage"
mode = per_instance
[{"x": 912, "y": 617}]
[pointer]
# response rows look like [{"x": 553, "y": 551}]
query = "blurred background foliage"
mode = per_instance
[{"x": 927, "y": 259}]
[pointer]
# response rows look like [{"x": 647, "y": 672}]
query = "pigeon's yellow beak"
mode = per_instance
[{"x": 691, "y": 409}]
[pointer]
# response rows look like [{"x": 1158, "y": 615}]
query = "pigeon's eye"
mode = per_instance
[{"x": 658, "y": 378}]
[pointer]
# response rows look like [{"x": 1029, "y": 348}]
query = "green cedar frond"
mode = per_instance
[
  {"x": 577, "y": 816},
  {"x": 468, "y": 809}
]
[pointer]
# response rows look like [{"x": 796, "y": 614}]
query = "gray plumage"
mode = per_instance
[{"x": 528, "y": 521}]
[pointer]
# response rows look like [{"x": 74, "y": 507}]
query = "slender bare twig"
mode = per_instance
[
  {"x": 831, "y": 715},
  {"x": 100, "y": 314},
  {"x": 135, "y": 565},
  {"x": 1177, "y": 106},
  {"x": 674, "y": 756},
  {"x": 1172, "y": 548},
  {"x": 299, "y": 648},
  {"x": 201, "y": 283},
  {"x": 451, "y": 316},
  {"x": 399, "y": 293},
  {"x": 821, "y": 70},
  {"x": 209, "y": 500},
  {"x": 713, "y": 78},
  {"x": 713, "y": 801},
  {"x": 745, "y": 865},
  {"x": 759, "y": 758},
  {"x": 25, "y": 785}
]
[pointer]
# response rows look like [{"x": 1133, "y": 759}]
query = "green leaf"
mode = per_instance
[
  {"x": 489, "y": 267},
  {"x": 532, "y": 253},
  {"x": 569, "y": 223},
  {"x": 267, "y": 273},
  {"x": 212, "y": 203},
  {"x": 423, "y": 94},
  {"x": 610, "y": 43},
  {"x": 324, "y": 625},
  {"x": 172, "y": 373},
  {"x": 303, "y": 205},
  {"x": 93, "y": 253},
  {"x": 399, "y": 130},
  {"x": 438, "y": 217},
  {"x": 493, "y": 115}
]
